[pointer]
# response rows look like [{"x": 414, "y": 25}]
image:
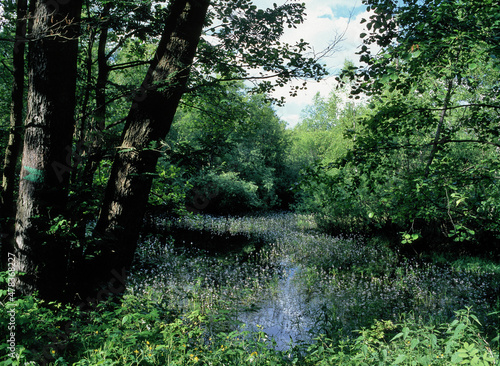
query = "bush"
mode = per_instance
[
  {"x": 384, "y": 343},
  {"x": 223, "y": 193}
]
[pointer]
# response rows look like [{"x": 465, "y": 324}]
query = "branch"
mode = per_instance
[
  {"x": 439, "y": 127},
  {"x": 127, "y": 65},
  {"x": 245, "y": 78},
  {"x": 120, "y": 43},
  {"x": 461, "y": 106},
  {"x": 445, "y": 141},
  {"x": 115, "y": 123},
  {"x": 7, "y": 67}
]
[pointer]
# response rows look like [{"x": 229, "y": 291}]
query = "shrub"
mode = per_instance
[
  {"x": 223, "y": 193},
  {"x": 384, "y": 343}
]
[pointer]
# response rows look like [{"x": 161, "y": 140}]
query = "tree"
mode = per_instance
[
  {"x": 321, "y": 133},
  {"x": 325, "y": 135},
  {"x": 130, "y": 181},
  {"x": 47, "y": 151},
  {"x": 222, "y": 131},
  {"x": 13, "y": 148},
  {"x": 428, "y": 147},
  {"x": 240, "y": 42}
]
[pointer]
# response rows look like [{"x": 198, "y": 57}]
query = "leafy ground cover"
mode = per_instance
[{"x": 370, "y": 305}]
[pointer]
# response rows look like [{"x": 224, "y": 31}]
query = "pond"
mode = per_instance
[
  {"x": 277, "y": 274},
  {"x": 284, "y": 316}
]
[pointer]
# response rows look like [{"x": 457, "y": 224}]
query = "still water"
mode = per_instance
[{"x": 285, "y": 316}]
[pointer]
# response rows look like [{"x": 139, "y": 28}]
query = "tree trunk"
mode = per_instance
[
  {"x": 148, "y": 122},
  {"x": 46, "y": 162},
  {"x": 13, "y": 150},
  {"x": 437, "y": 136},
  {"x": 95, "y": 139}
]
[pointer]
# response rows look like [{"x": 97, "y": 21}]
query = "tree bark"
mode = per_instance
[
  {"x": 13, "y": 150},
  {"x": 148, "y": 122},
  {"x": 46, "y": 162}
]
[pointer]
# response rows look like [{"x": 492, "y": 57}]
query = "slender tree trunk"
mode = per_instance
[
  {"x": 148, "y": 122},
  {"x": 437, "y": 136},
  {"x": 13, "y": 150},
  {"x": 95, "y": 139},
  {"x": 46, "y": 162}
]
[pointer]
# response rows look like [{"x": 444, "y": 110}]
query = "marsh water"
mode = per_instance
[
  {"x": 285, "y": 315},
  {"x": 278, "y": 274}
]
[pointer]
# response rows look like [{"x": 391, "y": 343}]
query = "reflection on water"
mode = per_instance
[{"x": 284, "y": 316}]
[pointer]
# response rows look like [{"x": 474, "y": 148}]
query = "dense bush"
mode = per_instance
[{"x": 224, "y": 193}]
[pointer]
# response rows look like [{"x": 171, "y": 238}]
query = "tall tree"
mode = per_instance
[
  {"x": 147, "y": 124},
  {"x": 13, "y": 149},
  {"x": 47, "y": 151}
]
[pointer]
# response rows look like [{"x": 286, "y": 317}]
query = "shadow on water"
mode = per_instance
[{"x": 218, "y": 245}]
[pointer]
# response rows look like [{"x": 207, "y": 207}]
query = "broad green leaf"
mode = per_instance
[{"x": 400, "y": 359}]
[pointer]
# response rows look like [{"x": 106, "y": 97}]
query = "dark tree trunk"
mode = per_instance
[
  {"x": 13, "y": 150},
  {"x": 148, "y": 122},
  {"x": 46, "y": 162}
]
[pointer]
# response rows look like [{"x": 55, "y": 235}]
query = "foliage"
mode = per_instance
[
  {"x": 221, "y": 138},
  {"x": 181, "y": 304},
  {"x": 454, "y": 343},
  {"x": 170, "y": 188},
  {"x": 225, "y": 193},
  {"x": 320, "y": 139},
  {"x": 424, "y": 160}
]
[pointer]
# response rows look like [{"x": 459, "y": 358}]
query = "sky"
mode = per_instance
[{"x": 325, "y": 19}]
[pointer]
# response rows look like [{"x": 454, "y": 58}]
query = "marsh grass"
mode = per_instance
[{"x": 367, "y": 303}]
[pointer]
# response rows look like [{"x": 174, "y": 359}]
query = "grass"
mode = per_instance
[{"x": 367, "y": 304}]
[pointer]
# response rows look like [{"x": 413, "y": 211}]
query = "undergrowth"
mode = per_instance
[{"x": 368, "y": 305}]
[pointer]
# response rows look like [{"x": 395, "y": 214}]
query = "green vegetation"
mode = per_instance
[
  {"x": 377, "y": 214},
  {"x": 182, "y": 303},
  {"x": 424, "y": 160}
]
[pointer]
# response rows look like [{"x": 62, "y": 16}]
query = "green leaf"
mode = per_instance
[
  {"x": 399, "y": 335},
  {"x": 400, "y": 359},
  {"x": 456, "y": 359}
]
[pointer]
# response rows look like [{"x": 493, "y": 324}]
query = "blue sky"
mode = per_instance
[{"x": 325, "y": 19}]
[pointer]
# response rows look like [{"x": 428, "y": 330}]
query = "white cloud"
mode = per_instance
[{"x": 326, "y": 20}]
